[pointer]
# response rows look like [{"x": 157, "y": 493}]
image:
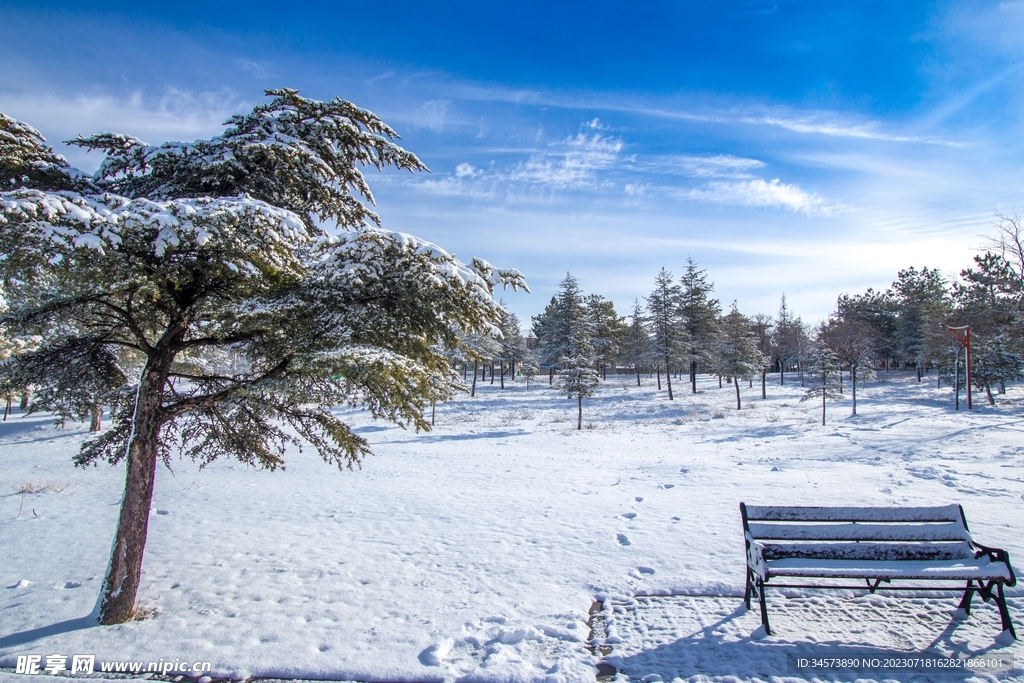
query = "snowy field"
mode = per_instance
[{"x": 475, "y": 552}]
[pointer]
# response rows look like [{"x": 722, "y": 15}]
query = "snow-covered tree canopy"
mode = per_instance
[
  {"x": 293, "y": 153},
  {"x": 172, "y": 258},
  {"x": 27, "y": 161}
]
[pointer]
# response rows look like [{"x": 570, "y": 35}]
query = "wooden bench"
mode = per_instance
[{"x": 874, "y": 545}]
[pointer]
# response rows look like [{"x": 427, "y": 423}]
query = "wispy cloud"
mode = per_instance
[
  {"x": 432, "y": 114},
  {"x": 572, "y": 163},
  {"x": 758, "y": 192},
  {"x": 709, "y": 166},
  {"x": 255, "y": 68},
  {"x": 172, "y": 115},
  {"x": 805, "y": 122}
]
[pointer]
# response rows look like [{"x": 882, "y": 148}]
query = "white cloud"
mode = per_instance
[
  {"x": 573, "y": 163},
  {"x": 708, "y": 166},
  {"x": 174, "y": 115},
  {"x": 255, "y": 68},
  {"x": 758, "y": 192},
  {"x": 433, "y": 113}
]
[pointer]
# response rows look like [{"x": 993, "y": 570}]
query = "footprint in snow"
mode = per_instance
[
  {"x": 684, "y": 471},
  {"x": 666, "y": 486},
  {"x": 639, "y": 499},
  {"x": 73, "y": 584},
  {"x": 623, "y": 539},
  {"x": 645, "y": 570},
  {"x": 629, "y": 515}
]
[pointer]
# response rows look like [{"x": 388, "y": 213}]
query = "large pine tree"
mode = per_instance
[
  {"x": 700, "y": 315},
  {"x": 668, "y": 336},
  {"x": 259, "y": 241}
]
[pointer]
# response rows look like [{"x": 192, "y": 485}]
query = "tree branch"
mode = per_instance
[{"x": 208, "y": 401}]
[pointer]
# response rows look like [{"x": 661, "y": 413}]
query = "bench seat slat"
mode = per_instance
[
  {"x": 781, "y": 513},
  {"x": 859, "y": 532},
  {"x": 870, "y": 551},
  {"x": 958, "y": 570}
]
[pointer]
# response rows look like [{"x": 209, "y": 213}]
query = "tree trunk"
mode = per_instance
[
  {"x": 668, "y": 379},
  {"x": 25, "y": 398},
  {"x": 988, "y": 391},
  {"x": 719, "y": 381},
  {"x": 659, "y": 377},
  {"x": 502, "y": 375},
  {"x": 551, "y": 375},
  {"x": 853, "y": 383},
  {"x": 432, "y": 410},
  {"x": 1002, "y": 387},
  {"x": 579, "y": 414},
  {"x": 96, "y": 413},
  {"x": 472, "y": 392},
  {"x": 737, "y": 395},
  {"x": 7, "y": 409},
  {"x": 638, "y": 375},
  {"x": 121, "y": 585},
  {"x": 764, "y": 381},
  {"x": 782, "y": 373},
  {"x": 492, "y": 372},
  {"x": 693, "y": 377}
]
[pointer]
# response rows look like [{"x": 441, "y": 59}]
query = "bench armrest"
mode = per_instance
[
  {"x": 755, "y": 557},
  {"x": 997, "y": 555}
]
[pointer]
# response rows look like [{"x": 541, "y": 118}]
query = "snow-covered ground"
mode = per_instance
[{"x": 475, "y": 552}]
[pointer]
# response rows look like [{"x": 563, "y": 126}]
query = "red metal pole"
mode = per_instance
[{"x": 968, "y": 345}]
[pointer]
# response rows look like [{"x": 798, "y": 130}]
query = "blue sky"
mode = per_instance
[{"x": 801, "y": 147}]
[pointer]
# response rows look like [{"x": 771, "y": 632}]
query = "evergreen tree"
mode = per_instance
[
  {"x": 990, "y": 298},
  {"x": 665, "y": 318},
  {"x": 879, "y": 310},
  {"x": 823, "y": 374},
  {"x": 637, "y": 345},
  {"x": 700, "y": 314},
  {"x": 737, "y": 354},
  {"x": 607, "y": 329},
  {"x": 563, "y": 318},
  {"x": 228, "y": 243},
  {"x": 512, "y": 345},
  {"x": 763, "y": 331},
  {"x": 480, "y": 349},
  {"x": 785, "y": 339},
  {"x": 920, "y": 302},
  {"x": 571, "y": 338},
  {"x": 543, "y": 327},
  {"x": 531, "y": 365},
  {"x": 853, "y": 343}
]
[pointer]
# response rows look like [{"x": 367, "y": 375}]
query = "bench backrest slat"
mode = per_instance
[
  {"x": 776, "y": 513},
  {"x": 859, "y": 532},
  {"x": 869, "y": 551}
]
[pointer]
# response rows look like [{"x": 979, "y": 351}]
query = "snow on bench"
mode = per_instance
[{"x": 877, "y": 545}]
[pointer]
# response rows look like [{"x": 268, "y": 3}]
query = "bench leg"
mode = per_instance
[
  {"x": 746, "y": 592},
  {"x": 764, "y": 607},
  {"x": 1004, "y": 613},
  {"x": 965, "y": 602}
]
